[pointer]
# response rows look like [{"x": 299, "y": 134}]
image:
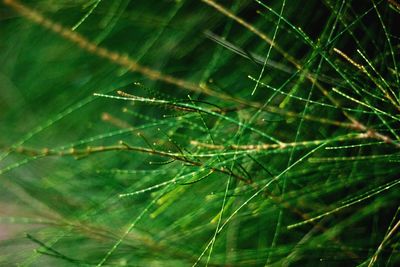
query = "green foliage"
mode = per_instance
[{"x": 195, "y": 133}]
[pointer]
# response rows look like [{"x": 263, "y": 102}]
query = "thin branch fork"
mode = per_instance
[{"x": 122, "y": 146}]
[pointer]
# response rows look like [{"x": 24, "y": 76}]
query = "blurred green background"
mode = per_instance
[{"x": 198, "y": 204}]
